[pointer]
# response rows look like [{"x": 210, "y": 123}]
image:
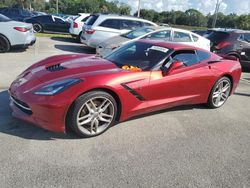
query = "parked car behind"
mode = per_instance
[
  {"x": 14, "y": 34},
  {"x": 232, "y": 42},
  {"x": 100, "y": 27},
  {"x": 155, "y": 33},
  {"x": 49, "y": 23},
  {"x": 76, "y": 26},
  {"x": 16, "y": 13}
]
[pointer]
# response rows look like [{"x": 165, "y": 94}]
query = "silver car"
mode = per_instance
[
  {"x": 154, "y": 33},
  {"x": 100, "y": 27},
  {"x": 15, "y": 34}
]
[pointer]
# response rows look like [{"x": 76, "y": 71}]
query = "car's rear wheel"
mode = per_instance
[
  {"x": 37, "y": 28},
  {"x": 78, "y": 38},
  {"x": 4, "y": 44},
  {"x": 220, "y": 92},
  {"x": 92, "y": 113}
]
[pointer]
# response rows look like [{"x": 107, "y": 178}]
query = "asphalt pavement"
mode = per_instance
[{"x": 188, "y": 146}]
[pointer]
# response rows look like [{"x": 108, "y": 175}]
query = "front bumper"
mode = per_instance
[{"x": 44, "y": 112}]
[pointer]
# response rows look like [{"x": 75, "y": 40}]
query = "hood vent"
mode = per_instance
[{"x": 54, "y": 68}]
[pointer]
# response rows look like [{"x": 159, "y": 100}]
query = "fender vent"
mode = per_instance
[{"x": 54, "y": 68}]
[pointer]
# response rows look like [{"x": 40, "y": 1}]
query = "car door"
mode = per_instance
[
  {"x": 187, "y": 85},
  {"x": 60, "y": 25},
  {"x": 244, "y": 47}
]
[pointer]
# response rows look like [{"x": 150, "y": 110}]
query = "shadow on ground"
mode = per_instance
[
  {"x": 242, "y": 94},
  {"x": 75, "y": 48},
  {"x": 65, "y": 39},
  {"x": 15, "y": 127}
]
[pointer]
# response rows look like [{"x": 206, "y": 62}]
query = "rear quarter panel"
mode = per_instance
[{"x": 228, "y": 68}]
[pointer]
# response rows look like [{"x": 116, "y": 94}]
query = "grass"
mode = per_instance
[
  {"x": 188, "y": 27},
  {"x": 52, "y": 35}
]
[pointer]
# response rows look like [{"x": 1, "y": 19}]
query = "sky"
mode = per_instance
[{"x": 204, "y": 6}]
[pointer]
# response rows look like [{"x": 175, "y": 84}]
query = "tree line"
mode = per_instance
[{"x": 189, "y": 17}]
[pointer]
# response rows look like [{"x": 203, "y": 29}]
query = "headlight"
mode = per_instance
[{"x": 57, "y": 87}]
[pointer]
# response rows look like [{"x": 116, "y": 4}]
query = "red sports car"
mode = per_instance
[{"x": 89, "y": 94}]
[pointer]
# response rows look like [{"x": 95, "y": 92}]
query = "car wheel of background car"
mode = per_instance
[
  {"x": 220, "y": 92},
  {"x": 4, "y": 44},
  {"x": 92, "y": 113},
  {"x": 78, "y": 38},
  {"x": 37, "y": 28}
]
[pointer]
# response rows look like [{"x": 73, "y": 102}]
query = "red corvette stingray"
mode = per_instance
[{"x": 89, "y": 94}]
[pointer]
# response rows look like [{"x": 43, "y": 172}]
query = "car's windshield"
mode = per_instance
[
  {"x": 138, "y": 54},
  {"x": 137, "y": 33},
  {"x": 4, "y": 18}
]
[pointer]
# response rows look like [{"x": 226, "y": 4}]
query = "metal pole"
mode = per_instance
[
  {"x": 139, "y": 8},
  {"x": 216, "y": 14},
  {"x": 57, "y": 6}
]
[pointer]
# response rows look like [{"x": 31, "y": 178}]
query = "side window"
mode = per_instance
[
  {"x": 130, "y": 24},
  {"x": 46, "y": 19},
  {"x": 147, "y": 24},
  {"x": 161, "y": 35},
  {"x": 188, "y": 57},
  {"x": 195, "y": 38},
  {"x": 15, "y": 12},
  {"x": 58, "y": 20},
  {"x": 247, "y": 37},
  {"x": 181, "y": 37},
  {"x": 203, "y": 55},
  {"x": 110, "y": 23},
  {"x": 85, "y": 19}
]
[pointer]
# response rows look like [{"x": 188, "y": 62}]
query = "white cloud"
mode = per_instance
[{"x": 204, "y": 6}]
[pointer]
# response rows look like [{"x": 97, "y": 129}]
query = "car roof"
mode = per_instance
[{"x": 119, "y": 16}]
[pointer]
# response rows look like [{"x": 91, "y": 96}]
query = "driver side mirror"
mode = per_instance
[{"x": 175, "y": 65}]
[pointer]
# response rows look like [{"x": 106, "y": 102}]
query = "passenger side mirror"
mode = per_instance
[{"x": 175, "y": 65}]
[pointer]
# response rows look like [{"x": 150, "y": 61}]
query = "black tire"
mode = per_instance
[
  {"x": 77, "y": 107},
  {"x": 78, "y": 38},
  {"x": 4, "y": 44},
  {"x": 37, "y": 28},
  {"x": 211, "y": 102}
]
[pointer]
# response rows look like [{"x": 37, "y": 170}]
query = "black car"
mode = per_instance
[
  {"x": 16, "y": 14},
  {"x": 232, "y": 42},
  {"x": 49, "y": 23}
]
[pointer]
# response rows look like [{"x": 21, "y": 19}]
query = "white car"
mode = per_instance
[
  {"x": 76, "y": 26},
  {"x": 154, "y": 33},
  {"x": 100, "y": 27},
  {"x": 15, "y": 34}
]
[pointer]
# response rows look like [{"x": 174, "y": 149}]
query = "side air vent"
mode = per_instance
[{"x": 54, "y": 68}]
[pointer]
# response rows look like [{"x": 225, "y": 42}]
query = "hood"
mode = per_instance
[
  {"x": 77, "y": 66},
  {"x": 62, "y": 67},
  {"x": 114, "y": 41}
]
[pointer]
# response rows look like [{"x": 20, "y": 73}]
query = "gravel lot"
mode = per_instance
[{"x": 189, "y": 146}]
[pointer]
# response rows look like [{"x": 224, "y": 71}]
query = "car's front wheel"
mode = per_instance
[
  {"x": 4, "y": 44},
  {"x": 92, "y": 113},
  {"x": 220, "y": 92}
]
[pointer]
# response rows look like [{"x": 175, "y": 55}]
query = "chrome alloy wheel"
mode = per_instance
[
  {"x": 37, "y": 28},
  {"x": 95, "y": 115},
  {"x": 221, "y": 93}
]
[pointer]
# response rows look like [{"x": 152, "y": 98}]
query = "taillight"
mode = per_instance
[
  {"x": 222, "y": 45},
  {"x": 89, "y": 31},
  {"x": 22, "y": 29},
  {"x": 75, "y": 25}
]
